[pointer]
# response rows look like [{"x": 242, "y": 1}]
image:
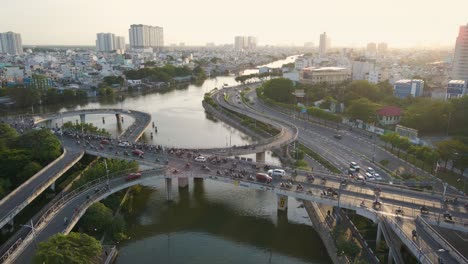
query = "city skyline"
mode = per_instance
[{"x": 50, "y": 22}]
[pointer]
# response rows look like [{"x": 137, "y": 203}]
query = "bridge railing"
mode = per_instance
[
  {"x": 441, "y": 240},
  {"x": 39, "y": 224}
]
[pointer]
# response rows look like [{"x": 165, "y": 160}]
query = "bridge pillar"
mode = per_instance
[
  {"x": 285, "y": 150},
  {"x": 282, "y": 202},
  {"x": 183, "y": 182},
  {"x": 48, "y": 123},
  {"x": 390, "y": 256},
  {"x": 260, "y": 157},
  {"x": 119, "y": 119},
  {"x": 169, "y": 189},
  {"x": 379, "y": 235},
  {"x": 82, "y": 118}
]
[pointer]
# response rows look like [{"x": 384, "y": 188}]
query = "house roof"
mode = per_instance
[{"x": 389, "y": 111}]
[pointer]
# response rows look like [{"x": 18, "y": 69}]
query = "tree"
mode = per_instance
[
  {"x": 280, "y": 90},
  {"x": 363, "y": 109},
  {"x": 41, "y": 144},
  {"x": 29, "y": 170},
  {"x": 402, "y": 143},
  {"x": 74, "y": 248},
  {"x": 98, "y": 218},
  {"x": 447, "y": 148},
  {"x": 7, "y": 135},
  {"x": 428, "y": 116},
  {"x": 361, "y": 89}
]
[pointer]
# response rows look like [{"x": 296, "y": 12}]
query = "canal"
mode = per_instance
[{"x": 210, "y": 222}]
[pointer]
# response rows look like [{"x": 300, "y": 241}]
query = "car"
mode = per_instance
[
  {"x": 370, "y": 170},
  {"x": 377, "y": 177},
  {"x": 138, "y": 152},
  {"x": 263, "y": 177},
  {"x": 351, "y": 171},
  {"x": 133, "y": 176},
  {"x": 361, "y": 178},
  {"x": 200, "y": 159},
  {"x": 105, "y": 142},
  {"x": 337, "y": 136},
  {"x": 276, "y": 172},
  {"x": 355, "y": 166},
  {"x": 370, "y": 177},
  {"x": 123, "y": 144}
]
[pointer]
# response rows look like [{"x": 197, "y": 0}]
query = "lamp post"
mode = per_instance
[
  {"x": 464, "y": 177},
  {"x": 33, "y": 229},
  {"x": 443, "y": 201}
]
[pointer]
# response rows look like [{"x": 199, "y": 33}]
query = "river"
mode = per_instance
[{"x": 210, "y": 222}]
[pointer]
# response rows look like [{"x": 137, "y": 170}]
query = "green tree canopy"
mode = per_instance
[
  {"x": 41, "y": 144},
  {"x": 361, "y": 89},
  {"x": 428, "y": 116},
  {"x": 74, "y": 248},
  {"x": 280, "y": 90},
  {"x": 98, "y": 218},
  {"x": 363, "y": 109},
  {"x": 7, "y": 135}
]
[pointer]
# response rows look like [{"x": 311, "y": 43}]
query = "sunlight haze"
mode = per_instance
[{"x": 349, "y": 23}]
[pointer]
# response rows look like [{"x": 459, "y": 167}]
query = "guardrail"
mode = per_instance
[
  {"x": 441, "y": 240},
  {"x": 39, "y": 225}
]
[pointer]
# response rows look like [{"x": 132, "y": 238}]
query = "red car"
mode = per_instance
[
  {"x": 133, "y": 176},
  {"x": 105, "y": 142},
  {"x": 263, "y": 177},
  {"x": 137, "y": 152}
]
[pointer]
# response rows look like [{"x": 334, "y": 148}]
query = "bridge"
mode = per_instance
[{"x": 349, "y": 195}]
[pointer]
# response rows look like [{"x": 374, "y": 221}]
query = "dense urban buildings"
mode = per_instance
[
  {"x": 404, "y": 88},
  {"x": 245, "y": 42},
  {"x": 382, "y": 48},
  {"x": 11, "y": 43},
  {"x": 460, "y": 58},
  {"x": 325, "y": 44},
  {"x": 144, "y": 37},
  {"x": 107, "y": 42},
  {"x": 329, "y": 75}
]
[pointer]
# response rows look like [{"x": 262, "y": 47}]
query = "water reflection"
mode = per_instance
[{"x": 217, "y": 223}]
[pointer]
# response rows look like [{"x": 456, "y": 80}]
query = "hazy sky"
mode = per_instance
[{"x": 348, "y": 22}]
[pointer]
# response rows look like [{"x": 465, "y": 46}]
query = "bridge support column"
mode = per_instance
[
  {"x": 82, "y": 118},
  {"x": 379, "y": 235},
  {"x": 282, "y": 202},
  {"x": 390, "y": 256},
  {"x": 285, "y": 150},
  {"x": 48, "y": 123},
  {"x": 183, "y": 182},
  {"x": 52, "y": 186},
  {"x": 260, "y": 157},
  {"x": 119, "y": 119},
  {"x": 169, "y": 189}
]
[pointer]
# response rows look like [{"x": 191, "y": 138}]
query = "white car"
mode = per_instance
[
  {"x": 276, "y": 172},
  {"x": 123, "y": 144},
  {"x": 370, "y": 176},
  {"x": 377, "y": 177},
  {"x": 370, "y": 170},
  {"x": 200, "y": 159}
]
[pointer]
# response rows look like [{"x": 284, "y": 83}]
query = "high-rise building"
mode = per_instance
[
  {"x": 382, "y": 47},
  {"x": 252, "y": 42},
  {"x": 245, "y": 42},
  {"x": 371, "y": 48},
  {"x": 105, "y": 42},
  {"x": 11, "y": 43},
  {"x": 325, "y": 44},
  {"x": 144, "y": 36},
  {"x": 460, "y": 56},
  {"x": 120, "y": 43}
]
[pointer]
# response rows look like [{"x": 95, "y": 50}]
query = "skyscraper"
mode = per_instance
[
  {"x": 11, "y": 43},
  {"x": 382, "y": 47},
  {"x": 144, "y": 36},
  {"x": 244, "y": 42},
  {"x": 120, "y": 43},
  {"x": 105, "y": 42},
  {"x": 371, "y": 47},
  {"x": 460, "y": 56},
  {"x": 325, "y": 44}
]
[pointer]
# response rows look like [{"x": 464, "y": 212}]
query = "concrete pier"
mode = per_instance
[{"x": 169, "y": 189}]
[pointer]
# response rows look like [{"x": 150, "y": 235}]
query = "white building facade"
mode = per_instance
[
  {"x": 460, "y": 57},
  {"x": 144, "y": 36},
  {"x": 325, "y": 44},
  {"x": 11, "y": 43}
]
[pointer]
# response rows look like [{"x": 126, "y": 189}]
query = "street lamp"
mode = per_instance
[
  {"x": 464, "y": 177},
  {"x": 107, "y": 173},
  {"x": 33, "y": 229},
  {"x": 443, "y": 201}
]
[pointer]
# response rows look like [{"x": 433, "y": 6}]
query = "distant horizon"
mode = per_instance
[{"x": 400, "y": 23}]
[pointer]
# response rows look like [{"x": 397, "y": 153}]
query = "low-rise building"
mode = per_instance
[
  {"x": 389, "y": 115},
  {"x": 404, "y": 88},
  {"x": 330, "y": 75},
  {"x": 456, "y": 88}
]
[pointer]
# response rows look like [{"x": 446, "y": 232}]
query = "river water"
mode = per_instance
[{"x": 210, "y": 222}]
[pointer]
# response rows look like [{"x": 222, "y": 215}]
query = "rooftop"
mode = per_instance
[
  {"x": 407, "y": 81},
  {"x": 325, "y": 69},
  {"x": 389, "y": 111},
  {"x": 457, "y": 82}
]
